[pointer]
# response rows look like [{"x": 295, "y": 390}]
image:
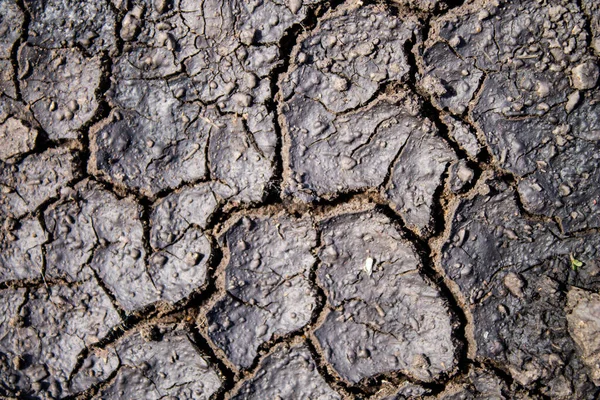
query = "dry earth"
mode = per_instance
[{"x": 299, "y": 199}]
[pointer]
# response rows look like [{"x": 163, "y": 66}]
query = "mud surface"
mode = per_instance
[{"x": 299, "y": 199}]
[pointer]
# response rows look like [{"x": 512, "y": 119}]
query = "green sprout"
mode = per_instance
[{"x": 575, "y": 263}]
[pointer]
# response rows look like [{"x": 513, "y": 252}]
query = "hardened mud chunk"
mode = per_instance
[
  {"x": 417, "y": 177},
  {"x": 43, "y": 333},
  {"x": 557, "y": 156},
  {"x": 35, "y": 180},
  {"x": 215, "y": 33},
  {"x": 517, "y": 140},
  {"x": 489, "y": 233},
  {"x": 176, "y": 213},
  {"x": 287, "y": 373},
  {"x": 451, "y": 80},
  {"x": 460, "y": 175},
  {"x": 11, "y": 19},
  {"x": 344, "y": 62},
  {"x": 77, "y": 225},
  {"x": 7, "y": 85},
  {"x": 181, "y": 267},
  {"x": 264, "y": 22},
  {"x": 11, "y": 23},
  {"x": 94, "y": 230},
  {"x": 383, "y": 316},
  {"x": 60, "y": 87},
  {"x": 10, "y": 317},
  {"x": 21, "y": 249},
  {"x": 240, "y": 161},
  {"x": 164, "y": 365},
  {"x": 227, "y": 49},
  {"x": 125, "y": 274},
  {"x": 513, "y": 273},
  {"x": 388, "y": 139},
  {"x": 521, "y": 325},
  {"x": 152, "y": 141},
  {"x": 463, "y": 135},
  {"x": 158, "y": 142},
  {"x": 72, "y": 23},
  {"x": 512, "y": 35},
  {"x": 521, "y": 94},
  {"x": 267, "y": 281},
  {"x": 330, "y": 154},
  {"x": 332, "y": 145}
]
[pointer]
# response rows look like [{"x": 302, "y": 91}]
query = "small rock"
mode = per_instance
[
  {"x": 340, "y": 84},
  {"x": 347, "y": 163},
  {"x": 514, "y": 284},
  {"x": 161, "y": 6},
  {"x": 460, "y": 175},
  {"x": 247, "y": 37},
  {"x": 130, "y": 26},
  {"x": 294, "y": 5},
  {"x": 572, "y": 101},
  {"x": 18, "y": 362},
  {"x": 564, "y": 190},
  {"x": 242, "y": 99},
  {"x": 585, "y": 76}
]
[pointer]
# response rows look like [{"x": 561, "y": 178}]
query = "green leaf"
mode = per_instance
[{"x": 575, "y": 263}]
